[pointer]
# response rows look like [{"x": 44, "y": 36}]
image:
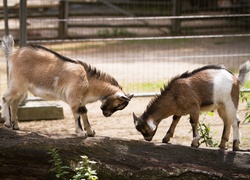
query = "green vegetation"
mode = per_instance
[
  {"x": 156, "y": 41},
  {"x": 143, "y": 86},
  {"x": 247, "y": 114},
  {"x": 74, "y": 46},
  {"x": 153, "y": 86},
  {"x": 58, "y": 168},
  {"x": 245, "y": 97},
  {"x": 83, "y": 170},
  {"x": 205, "y": 132},
  {"x": 247, "y": 85},
  {"x": 115, "y": 32}
]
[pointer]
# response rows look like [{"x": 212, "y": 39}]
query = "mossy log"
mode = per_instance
[{"x": 24, "y": 155}]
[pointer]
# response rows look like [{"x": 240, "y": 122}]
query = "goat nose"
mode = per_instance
[
  {"x": 148, "y": 138},
  {"x": 107, "y": 113}
]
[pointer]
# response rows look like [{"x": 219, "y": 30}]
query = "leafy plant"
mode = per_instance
[
  {"x": 247, "y": 114},
  {"x": 83, "y": 171},
  {"x": 205, "y": 132},
  {"x": 58, "y": 167}
]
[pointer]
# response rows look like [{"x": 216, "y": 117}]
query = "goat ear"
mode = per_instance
[
  {"x": 137, "y": 120},
  {"x": 126, "y": 97},
  {"x": 130, "y": 96}
]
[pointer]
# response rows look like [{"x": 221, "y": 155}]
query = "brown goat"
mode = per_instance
[
  {"x": 205, "y": 89},
  {"x": 52, "y": 76}
]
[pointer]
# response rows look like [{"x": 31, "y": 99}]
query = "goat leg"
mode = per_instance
[{"x": 171, "y": 130}]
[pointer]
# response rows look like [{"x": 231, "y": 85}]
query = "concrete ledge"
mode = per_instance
[{"x": 42, "y": 110}]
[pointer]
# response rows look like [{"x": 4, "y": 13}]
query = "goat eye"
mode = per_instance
[{"x": 120, "y": 107}]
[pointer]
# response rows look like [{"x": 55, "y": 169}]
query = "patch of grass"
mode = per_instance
[
  {"x": 247, "y": 85},
  {"x": 115, "y": 32},
  {"x": 156, "y": 41},
  {"x": 144, "y": 86},
  {"x": 219, "y": 42},
  {"x": 74, "y": 46}
]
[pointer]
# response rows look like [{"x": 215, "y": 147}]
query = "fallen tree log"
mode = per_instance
[{"x": 24, "y": 155}]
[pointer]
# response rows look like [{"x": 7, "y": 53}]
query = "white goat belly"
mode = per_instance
[{"x": 43, "y": 93}]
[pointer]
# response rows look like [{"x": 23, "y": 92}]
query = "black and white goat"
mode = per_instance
[
  {"x": 205, "y": 89},
  {"x": 50, "y": 75}
]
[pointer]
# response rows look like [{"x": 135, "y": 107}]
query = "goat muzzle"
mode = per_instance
[
  {"x": 148, "y": 138},
  {"x": 107, "y": 113}
]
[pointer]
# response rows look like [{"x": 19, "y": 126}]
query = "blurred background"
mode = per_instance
[{"x": 142, "y": 43}]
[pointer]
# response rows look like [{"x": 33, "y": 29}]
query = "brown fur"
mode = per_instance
[
  {"x": 50, "y": 75},
  {"x": 191, "y": 93}
]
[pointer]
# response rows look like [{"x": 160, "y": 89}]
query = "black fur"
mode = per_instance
[
  {"x": 79, "y": 122},
  {"x": 64, "y": 58},
  {"x": 82, "y": 110}
]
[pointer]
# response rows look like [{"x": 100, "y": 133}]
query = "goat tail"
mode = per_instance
[
  {"x": 244, "y": 72},
  {"x": 8, "y": 45}
]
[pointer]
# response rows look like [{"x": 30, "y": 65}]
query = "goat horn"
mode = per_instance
[
  {"x": 130, "y": 96},
  {"x": 126, "y": 97}
]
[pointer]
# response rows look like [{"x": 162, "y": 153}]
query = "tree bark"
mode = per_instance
[{"x": 24, "y": 155}]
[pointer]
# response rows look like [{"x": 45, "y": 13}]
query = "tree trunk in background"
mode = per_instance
[{"x": 24, "y": 155}]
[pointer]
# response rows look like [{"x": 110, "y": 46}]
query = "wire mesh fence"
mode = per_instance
[{"x": 141, "y": 43}]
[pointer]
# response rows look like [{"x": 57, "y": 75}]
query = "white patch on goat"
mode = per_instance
[
  {"x": 223, "y": 82},
  {"x": 151, "y": 124}
]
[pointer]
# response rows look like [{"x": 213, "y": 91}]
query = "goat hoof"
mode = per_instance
[
  {"x": 92, "y": 134},
  {"x": 7, "y": 126},
  {"x": 165, "y": 140},
  {"x": 236, "y": 149},
  {"x": 15, "y": 128},
  {"x": 236, "y": 145},
  {"x": 222, "y": 147},
  {"x": 82, "y": 135},
  {"x": 196, "y": 145}
]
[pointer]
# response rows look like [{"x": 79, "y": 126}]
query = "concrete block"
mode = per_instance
[{"x": 42, "y": 110}]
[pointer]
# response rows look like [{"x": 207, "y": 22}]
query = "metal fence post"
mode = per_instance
[
  {"x": 23, "y": 23},
  {"x": 6, "y": 29},
  {"x": 63, "y": 16},
  {"x": 6, "y": 18},
  {"x": 176, "y": 23},
  {"x": 23, "y": 30}
]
